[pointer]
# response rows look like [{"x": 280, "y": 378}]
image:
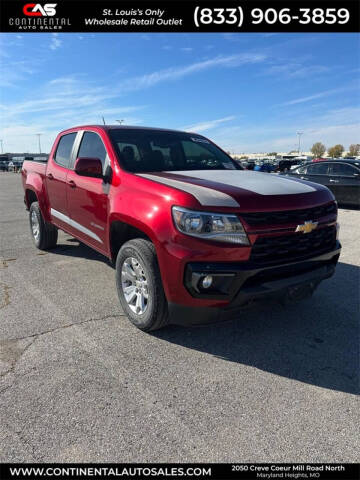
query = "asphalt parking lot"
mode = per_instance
[{"x": 79, "y": 383}]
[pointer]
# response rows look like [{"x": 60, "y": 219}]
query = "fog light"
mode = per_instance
[{"x": 207, "y": 281}]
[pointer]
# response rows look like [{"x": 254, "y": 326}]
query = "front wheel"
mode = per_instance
[
  {"x": 139, "y": 285},
  {"x": 44, "y": 234}
]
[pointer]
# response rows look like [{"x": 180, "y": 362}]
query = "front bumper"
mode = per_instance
[{"x": 246, "y": 284}]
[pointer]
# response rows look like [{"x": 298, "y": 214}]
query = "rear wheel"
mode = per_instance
[
  {"x": 44, "y": 234},
  {"x": 139, "y": 285}
]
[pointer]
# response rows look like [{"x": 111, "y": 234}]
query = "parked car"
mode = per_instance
[
  {"x": 342, "y": 177},
  {"x": 286, "y": 165},
  {"x": 250, "y": 165},
  {"x": 4, "y": 165},
  {"x": 264, "y": 167},
  {"x": 18, "y": 165},
  {"x": 194, "y": 238},
  {"x": 15, "y": 165}
]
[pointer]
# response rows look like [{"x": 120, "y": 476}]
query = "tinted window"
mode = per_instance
[
  {"x": 151, "y": 150},
  {"x": 92, "y": 146},
  {"x": 63, "y": 151},
  {"x": 317, "y": 169},
  {"x": 129, "y": 153},
  {"x": 342, "y": 169},
  {"x": 199, "y": 155}
]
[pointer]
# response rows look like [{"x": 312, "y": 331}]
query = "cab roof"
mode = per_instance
[{"x": 129, "y": 127}]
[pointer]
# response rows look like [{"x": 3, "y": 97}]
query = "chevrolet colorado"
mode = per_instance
[{"x": 194, "y": 237}]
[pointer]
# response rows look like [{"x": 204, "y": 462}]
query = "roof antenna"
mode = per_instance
[{"x": 103, "y": 120}]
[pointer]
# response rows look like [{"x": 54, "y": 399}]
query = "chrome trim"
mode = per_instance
[{"x": 72, "y": 223}]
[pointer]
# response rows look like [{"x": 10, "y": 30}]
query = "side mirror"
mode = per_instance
[{"x": 89, "y": 167}]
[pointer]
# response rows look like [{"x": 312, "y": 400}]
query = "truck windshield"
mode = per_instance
[{"x": 155, "y": 151}]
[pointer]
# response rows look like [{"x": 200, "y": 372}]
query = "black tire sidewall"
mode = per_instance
[{"x": 35, "y": 208}]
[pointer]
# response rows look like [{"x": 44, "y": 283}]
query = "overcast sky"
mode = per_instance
[{"x": 247, "y": 92}]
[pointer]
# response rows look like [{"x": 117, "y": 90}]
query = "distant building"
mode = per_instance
[{"x": 20, "y": 157}]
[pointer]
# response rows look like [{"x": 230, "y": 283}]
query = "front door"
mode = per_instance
[{"x": 318, "y": 172}]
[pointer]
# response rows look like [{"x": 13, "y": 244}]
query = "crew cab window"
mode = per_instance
[
  {"x": 63, "y": 151},
  {"x": 317, "y": 169},
  {"x": 92, "y": 146},
  {"x": 343, "y": 169}
]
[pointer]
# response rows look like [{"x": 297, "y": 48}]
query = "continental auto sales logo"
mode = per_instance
[
  {"x": 36, "y": 10},
  {"x": 39, "y": 16}
]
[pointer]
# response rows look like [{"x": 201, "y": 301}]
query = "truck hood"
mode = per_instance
[{"x": 243, "y": 188}]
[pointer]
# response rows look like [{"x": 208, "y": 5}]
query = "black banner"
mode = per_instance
[
  {"x": 225, "y": 471},
  {"x": 184, "y": 16}
]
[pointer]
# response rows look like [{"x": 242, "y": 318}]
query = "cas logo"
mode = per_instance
[{"x": 37, "y": 10}]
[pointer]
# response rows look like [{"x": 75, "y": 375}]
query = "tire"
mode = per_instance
[
  {"x": 43, "y": 233},
  {"x": 137, "y": 266}
]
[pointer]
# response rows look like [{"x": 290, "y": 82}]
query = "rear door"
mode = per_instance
[
  {"x": 87, "y": 197},
  {"x": 56, "y": 175},
  {"x": 345, "y": 182}
]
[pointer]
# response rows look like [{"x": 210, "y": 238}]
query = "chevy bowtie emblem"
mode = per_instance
[{"x": 307, "y": 227}]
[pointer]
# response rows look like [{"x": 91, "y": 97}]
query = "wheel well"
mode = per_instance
[
  {"x": 121, "y": 232},
  {"x": 31, "y": 197}
]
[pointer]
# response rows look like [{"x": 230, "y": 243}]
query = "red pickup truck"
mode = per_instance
[{"x": 194, "y": 237}]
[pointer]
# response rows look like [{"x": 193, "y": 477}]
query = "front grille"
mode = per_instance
[
  {"x": 284, "y": 248},
  {"x": 289, "y": 216}
]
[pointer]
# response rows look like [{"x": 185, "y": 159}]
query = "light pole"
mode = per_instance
[
  {"x": 299, "y": 135},
  {"x": 39, "y": 135},
  {"x": 120, "y": 121},
  {"x": 1, "y": 141}
]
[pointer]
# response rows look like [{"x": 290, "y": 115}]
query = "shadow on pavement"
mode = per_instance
[
  {"x": 315, "y": 341},
  {"x": 74, "y": 248}
]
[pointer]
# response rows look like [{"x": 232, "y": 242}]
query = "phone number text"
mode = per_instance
[{"x": 271, "y": 16}]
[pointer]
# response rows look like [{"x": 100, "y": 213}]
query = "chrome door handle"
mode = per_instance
[{"x": 334, "y": 181}]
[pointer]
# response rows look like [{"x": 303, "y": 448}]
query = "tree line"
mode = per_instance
[{"x": 318, "y": 150}]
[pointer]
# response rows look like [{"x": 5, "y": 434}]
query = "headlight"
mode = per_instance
[{"x": 210, "y": 226}]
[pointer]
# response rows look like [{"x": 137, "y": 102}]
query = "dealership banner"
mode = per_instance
[
  {"x": 184, "y": 16},
  {"x": 168, "y": 471}
]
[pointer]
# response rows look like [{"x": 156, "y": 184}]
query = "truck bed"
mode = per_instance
[
  {"x": 33, "y": 176},
  {"x": 34, "y": 166}
]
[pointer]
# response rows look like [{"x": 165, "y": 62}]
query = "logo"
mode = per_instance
[
  {"x": 37, "y": 10},
  {"x": 307, "y": 227},
  {"x": 39, "y": 17}
]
